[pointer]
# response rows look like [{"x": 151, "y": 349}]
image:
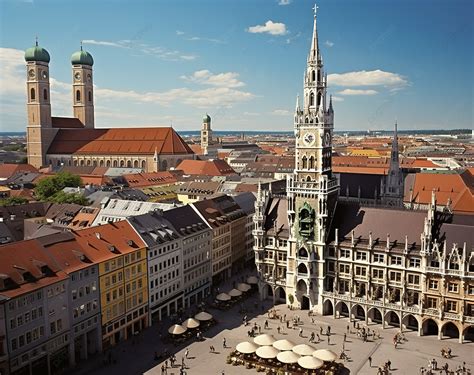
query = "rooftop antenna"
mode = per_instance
[{"x": 36, "y": 40}]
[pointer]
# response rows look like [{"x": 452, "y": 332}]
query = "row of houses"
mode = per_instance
[{"x": 69, "y": 294}]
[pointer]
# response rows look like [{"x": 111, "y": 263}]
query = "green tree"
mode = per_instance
[
  {"x": 62, "y": 197},
  {"x": 11, "y": 201},
  {"x": 50, "y": 186}
]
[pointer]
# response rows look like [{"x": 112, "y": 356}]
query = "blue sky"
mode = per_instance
[{"x": 241, "y": 61}]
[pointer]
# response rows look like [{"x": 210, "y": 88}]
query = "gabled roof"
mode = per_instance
[
  {"x": 212, "y": 167},
  {"x": 149, "y": 179},
  {"x": 276, "y": 217},
  {"x": 9, "y": 170},
  {"x": 116, "y": 141}
]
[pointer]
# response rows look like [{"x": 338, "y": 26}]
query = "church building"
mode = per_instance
[{"x": 75, "y": 141}]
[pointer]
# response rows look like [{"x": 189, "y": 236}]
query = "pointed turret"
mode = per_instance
[
  {"x": 314, "y": 52},
  {"x": 330, "y": 109},
  {"x": 297, "y": 109},
  {"x": 393, "y": 188}
]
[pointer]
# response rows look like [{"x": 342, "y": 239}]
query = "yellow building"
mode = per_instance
[{"x": 121, "y": 256}]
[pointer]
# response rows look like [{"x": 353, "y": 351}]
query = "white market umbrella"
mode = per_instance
[
  {"x": 235, "y": 293},
  {"x": 267, "y": 352},
  {"x": 191, "y": 323},
  {"x": 283, "y": 344},
  {"x": 303, "y": 349},
  {"x": 246, "y": 347},
  {"x": 288, "y": 357},
  {"x": 252, "y": 280},
  {"x": 223, "y": 297},
  {"x": 325, "y": 355},
  {"x": 177, "y": 329},
  {"x": 309, "y": 362},
  {"x": 203, "y": 316},
  {"x": 264, "y": 339},
  {"x": 244, "y": 287}
]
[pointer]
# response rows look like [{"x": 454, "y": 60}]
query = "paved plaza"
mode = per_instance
[{"x": 137, "y": 356}]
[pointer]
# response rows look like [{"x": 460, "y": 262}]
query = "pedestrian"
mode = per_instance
[
  {"x": 370, "y": 361},
  {"x": 224, "y": 343},
  {"x": 329, "y": 330},
  {"x": 259, "y": 330},
  {"x": 287, "y": 324},
  {"x": 329, "y": 337},
  {"x": 312, "y": 320},
  {"x": 301, "y": 332},
  {"x": 186, "y": 353},
  {"x": 345, "y": 336},
  {"x": 210, "y": 349},
  {"x": 278, "y": 329},
  {"x": 348, "y": 328},
  {"x": 321, "y": 330},
  {"x": 389, "y": 364},
  {"x": 163, "y": 371},
  {"x": 319, "y": 338},
  {"x": 311, "y": 339},
  {"x": 183, "y": 365},
  {"x": 284, "y": 317},
  {"x": 266, "y": 324}
]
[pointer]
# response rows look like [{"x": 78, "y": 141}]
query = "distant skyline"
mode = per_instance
[{"x": 169, "y": 62}]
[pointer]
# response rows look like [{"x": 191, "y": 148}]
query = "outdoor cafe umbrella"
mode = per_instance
[
  {"x": 310, "y": 362},
  {"x": 283, "y": 344},
  {"x": 252, "y": 280},
  {"x": 223, "y": 297},
  {"x": 243, "y": 287},
  {"x": 191, "y": 323},
  {"x": 288, "y": 357},
  {"x": 264, "y": 339},
  {"x": 267, "y": 352},
  {"x": 303, "y": 349},
  {"x": 325, "y": 355},
  {"x": 235, "y": 293},
  {"x": 177, "y": 329},
  {"x": 203, "y": 316},
  {"x": 246, "y": 347}
]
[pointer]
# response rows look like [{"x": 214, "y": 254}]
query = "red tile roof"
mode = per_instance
[
  {"x": 213, "y": 167},
  {"x": 134, "y": 141},
  {"x": 149, "y": 179},
  {"x": 9, "y": 170}
]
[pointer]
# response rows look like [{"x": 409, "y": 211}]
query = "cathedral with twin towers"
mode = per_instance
[{"x": 379, "y": 263}]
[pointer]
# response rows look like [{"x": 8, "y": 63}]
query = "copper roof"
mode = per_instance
[{"x": 133, "y": 141}]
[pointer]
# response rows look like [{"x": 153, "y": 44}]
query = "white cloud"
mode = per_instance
[
  {"x": 354, "y": 92},
  {"x": 270, "y": 27},
  {"x": 284, "y": 2},
  {"x": 281, "y": 112},
  {"x": 105, "y": 43},
  {"x": 329, "y": 43},
  {"x": 337, "y": 99},
  {"x": 368, "y": 78},
  {"x": 12, "y": 72},
  {"x": 206, "y": 77},
  {"x": 179, "y": 32}
]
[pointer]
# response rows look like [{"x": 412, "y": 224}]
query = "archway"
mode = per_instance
[
  {"x": 328, "y": 308},
  {"x": 410, "y": 322},
  {"x": 451, "y": 330},
  {"x": 135, "y": 164},
  {"x": 269, "y": 291},
  {"x": 301, "y": 287},
  {"x": 115, "y": 163},
  {"x": 392, "y": 319},
  {"x": 303, "y": 253},
  {"x": 375, "y": 315},
  {"x": 280, "y": 294},
  {"x": 302, "y": 269},
  {"x": 304, "y": 303},
  {"x": 143, "y": 164},
  {"x": 358, "y": 312},
  {"x": 430, "y": 327},
  {"x": 342, "y": 309},
  {"x": 469, "y": 334}
]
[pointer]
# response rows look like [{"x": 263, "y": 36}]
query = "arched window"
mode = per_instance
[
  {"x": 306, "y": 120},
  {"x": 313, "y": 76},
  {"x": 129, "y": 164},
  {"x": 45, "y": 94},
  {"x": 305, "y": 161},
  {"x": 319, "y": 76},
  {"x": 89, "y": 95},
  {"x": 135, "y": 164},
  {"x": 122, "y": 163},
  {"x": 311, "y": 99},
  {"x": 82, "y": 163},
  {"x": 78, "y": 96},
  {"x": 319, "y": 99},
  {"x": 94, "y": 163},
  {"x": 311, "y": 163},
  {"x": 303, "y": 253},
  {"x": 107, "y": 163},
  {"x": 143, "y": 164},
  {"x": 88, "y": 162},
  {"x": 115, "y": 163},
  {"x": 32, "y": 94},
  {"x": 308, "y": 178}
]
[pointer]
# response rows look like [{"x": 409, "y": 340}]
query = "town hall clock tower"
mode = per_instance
[{"x": 312, "y": 189}]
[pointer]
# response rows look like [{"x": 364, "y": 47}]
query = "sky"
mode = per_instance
[{"x": 161, "y": 63}]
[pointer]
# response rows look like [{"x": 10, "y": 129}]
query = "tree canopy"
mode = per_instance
[{"x": 50, "y": 189}]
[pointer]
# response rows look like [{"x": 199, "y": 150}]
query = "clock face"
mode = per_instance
[
  {"x": 308, "y": 138},
  {"x": 31, "y": 73},
  {"x": 77, "y": 76},
  {"x": 327, "y": 139},
  {"x": 44, "y": 74}
]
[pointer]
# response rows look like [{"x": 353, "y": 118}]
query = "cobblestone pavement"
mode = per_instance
[{"x": 138, "y": 357}]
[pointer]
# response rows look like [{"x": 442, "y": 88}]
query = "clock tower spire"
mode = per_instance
[{"x": 312, "y": 189}]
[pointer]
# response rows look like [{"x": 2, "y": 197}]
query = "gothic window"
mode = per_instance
[
  {"x": 311, "y": 162},
  {"x": 303, "y": 253},
  {"x": 143, "y": 164},
  {"x": 45, "y": 94},
  {"x": 306, "y": 220},
  {"x": 308, "y": 178},
  {"x": 32, "y": 94},
  {"x": 304, "y": 160},
  {"x": 319, "y": 99},
  {"x": 78, "y": 96},
  {"x": 303, "y": 269},
  {"x": 319, "y": 76},
  {"x": 115, "y": 164},
  {"x": 129, "y": 164},
  {"x": 89, "y": 96},
  {"x": 311, "y": 99},
  {"x": 306, "y": 120},
  {"x": 313, "y": 76}
]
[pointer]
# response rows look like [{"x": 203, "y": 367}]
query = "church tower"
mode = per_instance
[
  {"x": 312, "y": 189},
  {"x": 83, "y": 89},
  {"x": 392, "y": 191},
  {"x": 206, "y": 134},
  {"x": 39, "y": 131}
]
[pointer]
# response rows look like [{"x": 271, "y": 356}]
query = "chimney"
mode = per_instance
[
  {"x": 370, "y": 240},
  {"x": 352, "y": 238},
  {"x": 388, "y": 241},
  {"x": 97, "y": 234},
  {"x": 336, "y": 236},
  {"x": 406, "y": 244}
]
